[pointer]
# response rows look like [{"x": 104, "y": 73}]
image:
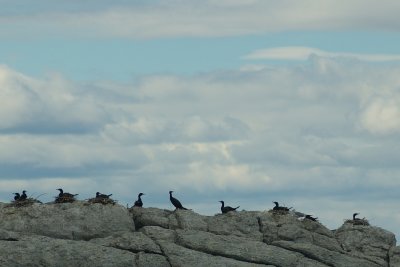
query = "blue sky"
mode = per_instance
[
  {"x": 124, "y": 59},
  {"x": 246, "y": 101}
]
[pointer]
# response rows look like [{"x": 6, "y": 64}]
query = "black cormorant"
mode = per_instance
[
  {"x": 139, "y": 202},
  {"x": 176, "y": 202},
  {"x": 67, "y": 195},
  {"x": 23, "y": 196},
  {"x": 17, "y": 196},
  {"x": 99, "y": 195},
  {"x": 354, "y": 217},
  {"x": 277, "y": 207},
  {"x": 226, "y": 209}
]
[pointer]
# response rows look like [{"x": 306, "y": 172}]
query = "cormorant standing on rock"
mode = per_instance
[
  {"x": 176, "y": 202},
  {"x": 67, "y": 195},
  {"x": 99, "y": 195},
  {"x": 23, "y": 196},
  {"x": 225, "y": 209},
  {"x": 139, "y": 202},
  {"x": 17, "y": 196},
  {"x": 277, "y": 207}
]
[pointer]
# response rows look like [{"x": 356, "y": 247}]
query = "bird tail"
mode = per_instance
[{"x": 237, "y": 207}]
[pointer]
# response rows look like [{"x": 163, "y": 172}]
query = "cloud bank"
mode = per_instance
[
  {"x": 159, "y": 19},
  {"x": 303, "y": 53}
]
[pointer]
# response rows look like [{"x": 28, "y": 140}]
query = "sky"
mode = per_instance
[{"x": 244, "y": 101}]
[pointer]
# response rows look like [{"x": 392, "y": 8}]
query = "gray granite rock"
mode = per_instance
[
  {"x": 154, "y": 217},
  {"x": 328, "y": 257},
  {"x": 131, "y": 241},
  {"x": 369, "y": 242},
  {"x": 244, "y": 224},
  {"x": 180, "y": 256},
  {"x": 241, "y": 249},
  {"x": 78, "y": 221},
  {"x": 159, "y": 233},
  {"x": 153, "y": 260},
  {"x": 48, "y": 252},
  {"x": 277, "y": 226},
  {"x": 82, "y": 234},
  {"x": 394, "y": 257}
]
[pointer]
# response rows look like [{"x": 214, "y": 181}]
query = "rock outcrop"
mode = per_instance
[{"x": 84, "y": 234}]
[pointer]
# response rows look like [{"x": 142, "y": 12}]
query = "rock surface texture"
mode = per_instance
[{"x": 83, "y": 234}]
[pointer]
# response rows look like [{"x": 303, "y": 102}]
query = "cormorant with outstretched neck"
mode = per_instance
[
  {"x": 99, "y": 195},
  {"x": 23, "y": 196},
  {"x": 277, "y": 207},
  {"x": 176, "y": 202},
  {"x": 139, "y": 202},
  {"x": 64, "y": 194},
  {"x": 225, "y": 209},
  {"x": 17, "y": 196}
]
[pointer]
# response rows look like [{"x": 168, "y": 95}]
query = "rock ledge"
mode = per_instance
[{"x": 83, "y": 234}]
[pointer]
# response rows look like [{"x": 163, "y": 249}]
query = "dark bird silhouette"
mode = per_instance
[
  {"x": 310, "y": 217},
  {"x": 17, "y": 196},
  {"x": 99, "y": 195},
  {"x": 176, "y": 202},
  {"x": 23, "y": 196},
  {"x": 277, "y": 207},
  {"x": 354, "y": 217},
  {"x": 64, "y": 194},
  {"x": 225, "y": 209},
  {"x": 139, "y": 202}
]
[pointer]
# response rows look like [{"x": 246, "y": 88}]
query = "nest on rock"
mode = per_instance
[
  {"x": 102, "y": 200},
  {"x": 23, "y": 202},
  {"x": 279, "y": 212},
  {"x": 362, "y": 221},
  {"x": 65, "y": 199}
]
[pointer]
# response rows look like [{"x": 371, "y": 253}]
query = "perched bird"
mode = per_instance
[
  {"x": 67, "y": 195},
  {"x": 277, "y": 207},
  {"x": 23, "y": 196},
  {"x": 225, "y": 209},
  {"x": 17, "y": 196},
  {"x": 354, "y": 217},
  {"x": 139, "y": 202},
  {"x": 99, "y": 195},
  {"x": 359, "y": 221},
  {"x": 176, "y": 202},
  {"x": 310, "y": 217}
]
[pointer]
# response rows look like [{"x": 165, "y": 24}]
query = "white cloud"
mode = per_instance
[
  {"x": 382, "y": 115},
  {"x": 44, "y": 105},
  {"x": 303, "y": 53},
  {"x": 205, "y": 18}
]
